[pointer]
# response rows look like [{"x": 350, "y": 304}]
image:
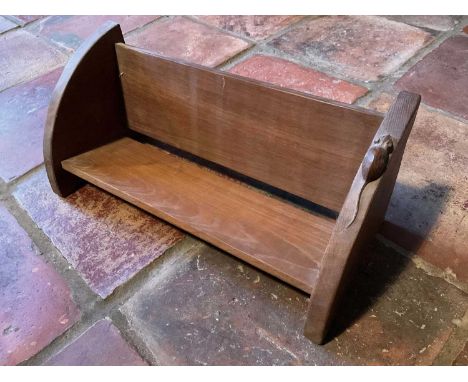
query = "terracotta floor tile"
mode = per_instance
[
  {"x": 24, "y": 56},
  {"x": 462, "y": 359},
  {"x": 288, "y": 74},
  {"x": 70, "y": 31},
  {"x": 441, "y": 77},
  {"x": 36, "y": 305},
  {"x": 26, "y": 19},
  {"x": 439, "y": 23},
  {"x": 362, "y": 47},
  {"x": 220, "y": 311},
  {"x": 395, "y": 314},
  {"x": 22, "y": 120},
  {"x": 428, "y": 212},
  {"x": 187, "y": 40},
  {"x": 101, "y": 345},
  {"x": 106, "y": 240},
  {"x": 239, "y": 316},
  {"x": 6, "y": 25},
  {"x": 254, "y": 27}
]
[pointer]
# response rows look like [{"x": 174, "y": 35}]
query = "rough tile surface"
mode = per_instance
[
  {"x": 26, "y": 19},
  {"x": 428, "y": 212},
  {"x": 35, "y": 301},
  {"x": 188, "y": 40},
  {"x": 439, "y": 23},
  {"x": 100, "y": 345},
  {"x": 106, "y": 240},
  {"x": 24, "y": 110},
  {"x": 6, "y": 25},
  {"x": 364, "y": 47},
  {"x": 220, "y": 311},
  {"x": 237, "y": 315},
  {"x": 441, "y": 77},
  {"x": 395, "y": 314},
  {"x": 24, "y": 56},
  {"x": 70, "y": 31},
  {"x": 253, "y": 27},
  {"x": 462, "y": 359},
  {"x": 288, "y": 74}
]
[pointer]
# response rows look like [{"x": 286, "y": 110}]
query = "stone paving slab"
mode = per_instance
[
  {"x": 361, "y": 47},
  {"x": 187, "y": 40},
  {"x": 254, "y": 27},
  {"x": 429, "y": 207},
  {"x": 100, "y": 345},
  {"x": 36, "y": 303},
  {"x": 211, "y": 308},
  {"x": 441, "y": 77},
  {"x": 105, "y": 239},
  {"x": 25, "y": 57},
  {"x": 290, "y": 75},
  {"x": 22, "y": 120}
]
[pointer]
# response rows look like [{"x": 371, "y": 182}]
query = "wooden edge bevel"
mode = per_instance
[
  {"x": 351, "y": 233},
  {"x": 86, "y": 108}
]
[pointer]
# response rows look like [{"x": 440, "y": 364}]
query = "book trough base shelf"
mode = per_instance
[{"x": 293, "y": 184}]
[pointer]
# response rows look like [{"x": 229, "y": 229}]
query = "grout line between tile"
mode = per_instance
[
  {"x": 142, "y": 28},
  {"x": 428, "y": 268},
  {"x": 455, "y": 343},
  {"x": 98, "y": 309}
]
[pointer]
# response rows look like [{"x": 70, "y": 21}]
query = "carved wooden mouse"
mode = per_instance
[{"x": 373, "y": 166}]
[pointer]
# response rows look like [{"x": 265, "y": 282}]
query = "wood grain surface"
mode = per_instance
[
  {"x": 277, "y": 237},
  {"x": 347, "y": 242},
  {"x": 302, "y": 144},
  {"x": 86, "y": 109}
]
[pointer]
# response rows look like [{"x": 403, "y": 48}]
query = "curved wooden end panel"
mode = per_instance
[
  {"x": 362, "y": 212},
  {"x": 87, "y": 108}
]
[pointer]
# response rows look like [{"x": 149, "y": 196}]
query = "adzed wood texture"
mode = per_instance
[
  {"x": 277, "y": 237},
  {"x": 296, "y": 142},
  {"x": 342, "y": 254},
  {"x": 86, "y": 109}
]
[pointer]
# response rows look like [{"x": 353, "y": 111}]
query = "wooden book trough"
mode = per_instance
[{"x": 293, "y": 184}]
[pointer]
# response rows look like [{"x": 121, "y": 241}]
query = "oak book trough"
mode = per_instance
[{"x": 293, "y": 184}]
